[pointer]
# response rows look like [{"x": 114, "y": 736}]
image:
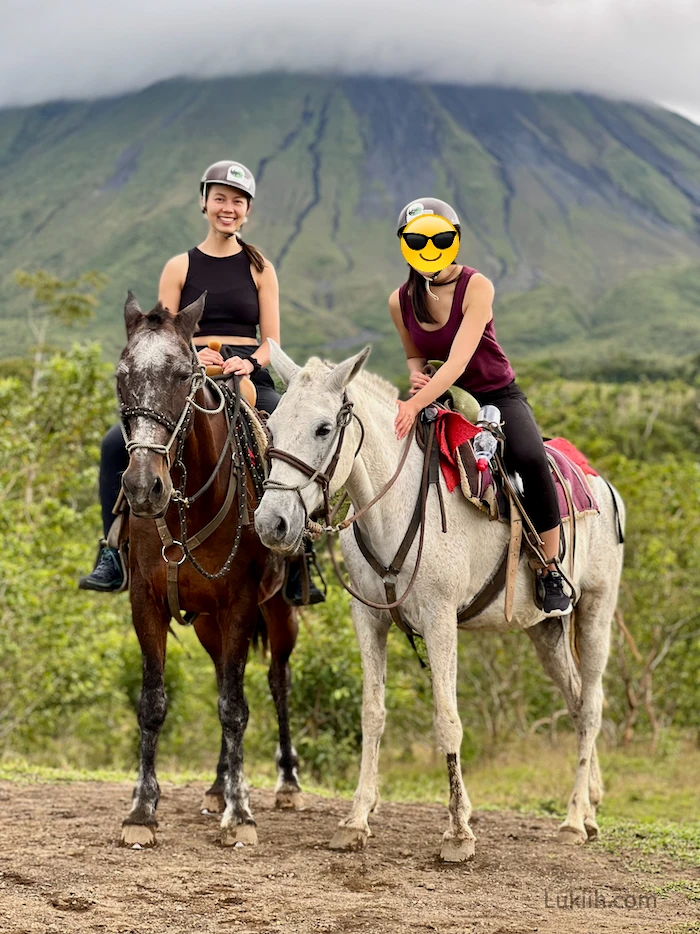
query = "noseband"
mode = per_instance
[{"x": 323, "y": 478}]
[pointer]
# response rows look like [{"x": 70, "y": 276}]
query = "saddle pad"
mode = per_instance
[{"x": 458, "y": 465}]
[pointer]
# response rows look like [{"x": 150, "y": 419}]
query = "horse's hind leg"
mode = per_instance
[
  {"x": 210, "y": 637},
  {"x": 353, "y": 831},
  {"x": 458, "y": 842},
  {"x": 140, "y": 825},
  {"x": 282, "y": 631},
  {"x": 582, "y": 692}
]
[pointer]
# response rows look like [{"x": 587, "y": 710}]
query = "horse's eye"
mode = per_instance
[
  {"x": 183, "y": 375},
  {"x": 323, "y": 431}
]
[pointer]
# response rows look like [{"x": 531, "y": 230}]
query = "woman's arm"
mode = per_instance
[
  {"x": 478, "y": 311},
  {"x": 269, "y": 304},
  {"x": 172, "y": 281}
]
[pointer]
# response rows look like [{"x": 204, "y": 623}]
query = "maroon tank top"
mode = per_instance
[{"x": 488, "y": 370}]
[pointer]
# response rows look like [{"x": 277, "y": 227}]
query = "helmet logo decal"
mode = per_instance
[
  {"x": 235, "y": 173},
  {"x": 415, "y": 209}
]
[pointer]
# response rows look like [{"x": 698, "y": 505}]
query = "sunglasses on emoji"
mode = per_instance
[{"x": 442, "y": 241}]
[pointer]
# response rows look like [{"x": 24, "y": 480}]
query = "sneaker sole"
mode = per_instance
[{"x": 96, "y": 587}]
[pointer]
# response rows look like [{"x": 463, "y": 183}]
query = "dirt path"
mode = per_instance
[{"x": 62, "y": 872}]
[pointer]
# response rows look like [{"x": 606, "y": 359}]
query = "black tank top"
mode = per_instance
[{"x": 231, "y": 306}]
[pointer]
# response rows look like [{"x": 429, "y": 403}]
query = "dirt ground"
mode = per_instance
[{"x": 61, "y": 871}]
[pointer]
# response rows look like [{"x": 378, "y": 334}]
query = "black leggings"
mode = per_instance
[
  {"x": 525, "y": 453},
  {"x": 113, "y": 457}
]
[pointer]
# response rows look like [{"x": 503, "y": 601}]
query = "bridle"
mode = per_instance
[
  {"x": 178, "y": 429},
  {"x": 316, "y": 474}
]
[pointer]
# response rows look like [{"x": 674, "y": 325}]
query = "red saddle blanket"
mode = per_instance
[{"x": 454, "y": 432}]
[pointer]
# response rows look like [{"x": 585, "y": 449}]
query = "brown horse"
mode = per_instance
[{"x": 175, "y": 421}]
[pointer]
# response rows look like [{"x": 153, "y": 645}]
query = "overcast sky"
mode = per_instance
[{"x": 635, "y": 49}]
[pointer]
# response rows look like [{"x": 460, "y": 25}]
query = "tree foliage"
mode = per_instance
[{"x": 70, "y": 660}]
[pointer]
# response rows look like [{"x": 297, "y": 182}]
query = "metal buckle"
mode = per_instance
[{"x": 174, "y": 542}]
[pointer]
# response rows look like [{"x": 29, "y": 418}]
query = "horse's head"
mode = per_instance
[
  {"x": 154, "y": 378},
  {"x": 306, "y": 424}
]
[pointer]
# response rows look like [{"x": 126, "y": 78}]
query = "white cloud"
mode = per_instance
[{"x": 636, "y": 49}]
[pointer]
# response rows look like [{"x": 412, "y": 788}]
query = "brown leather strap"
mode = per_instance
[
  {"x": 195, "y": 541},
  {"x": 488, "y": 593},
  {"x": 172, "y": 589},
  {"x": 514, "y": 548}
]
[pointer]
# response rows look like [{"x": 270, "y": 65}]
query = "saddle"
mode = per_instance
[{"x": 499, "y": 493}]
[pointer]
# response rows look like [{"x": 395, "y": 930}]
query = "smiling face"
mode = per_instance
[
  {"x": 226, "y": 208},
  {"x": 429, "y": 255}
]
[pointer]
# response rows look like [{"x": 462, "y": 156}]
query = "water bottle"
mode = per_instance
[
  {"x": 485, "y": 443},
  {"x": 485, "y": 446}
]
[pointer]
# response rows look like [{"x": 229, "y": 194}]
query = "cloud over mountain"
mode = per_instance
[{"x": 635, "y": 49}]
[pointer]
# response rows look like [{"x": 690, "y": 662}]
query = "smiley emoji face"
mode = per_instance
[{"x": 429, "y": 243}]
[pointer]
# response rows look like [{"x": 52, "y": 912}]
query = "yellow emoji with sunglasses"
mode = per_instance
[{"x": 429, "y": 242}]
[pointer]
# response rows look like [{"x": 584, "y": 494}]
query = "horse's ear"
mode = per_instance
[
  {"x": 285, "y": 366},
  {"x": 132, "y": 313},
  {"x": 186, "y": 321},
  {"x": 340, "y": 375}
]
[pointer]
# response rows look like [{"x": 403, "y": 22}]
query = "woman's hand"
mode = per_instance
[
  {"x": 238, "y": 365},
  {"x": 408, "y": 412},
  {"x": 418, "y": 380},
  {"x": 210, "y": 357}
]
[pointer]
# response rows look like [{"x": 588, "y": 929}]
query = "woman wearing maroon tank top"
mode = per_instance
[{"x": 448, "y": 316}]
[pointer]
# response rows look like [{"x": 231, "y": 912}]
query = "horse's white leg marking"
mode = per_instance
[
  {"x": 441, "y": 643},
  {"x": 354, "y": 830},
  {"x": 594, "y": 614}
]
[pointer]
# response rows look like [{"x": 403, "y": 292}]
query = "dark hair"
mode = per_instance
[
  {"x": 418, "y": 297},
  {"x": 254, "y": 255}
]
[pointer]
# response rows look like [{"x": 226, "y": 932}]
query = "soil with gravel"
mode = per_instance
[{"x": 62, "y": 871}]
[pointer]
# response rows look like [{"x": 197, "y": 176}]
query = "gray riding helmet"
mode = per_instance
[
  {"x": 227, "y": 172},
  {"x": 427, "y": 206}
]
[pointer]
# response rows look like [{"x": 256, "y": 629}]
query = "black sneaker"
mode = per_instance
[
  {"x": 108, "y": 573},
  {"x": 293, "y": 590},
  {"x": 550, "y": 592}
]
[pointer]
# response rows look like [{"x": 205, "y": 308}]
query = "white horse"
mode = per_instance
[{"x": 453, "y": 569}]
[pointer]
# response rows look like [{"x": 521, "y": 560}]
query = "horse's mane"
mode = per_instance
[
  {"x": 157, "y": 317},
  {"x": 376, "y": 386}
]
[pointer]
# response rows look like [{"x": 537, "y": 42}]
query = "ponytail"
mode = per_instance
[
  {"x": 417, "y": 295},
  {"x": 254, "y": 255}
]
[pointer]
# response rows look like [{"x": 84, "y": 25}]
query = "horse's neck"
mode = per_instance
[
  {"x": 201, "y": 450},
  {"x": 375, "y": 465}
]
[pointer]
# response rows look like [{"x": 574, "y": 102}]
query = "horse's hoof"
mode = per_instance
[
  {"x": 138, "y": 835},
  {"x": 245, "y": 834},
  {"x": 571, "y": 836},
  {"x": 591, "y": 828},
  {"x": 457, "y": 851},
  {"x": 349, "y": 839},
  {"x": 289, "y": 801},
  {"x": 213, "y": 803}
]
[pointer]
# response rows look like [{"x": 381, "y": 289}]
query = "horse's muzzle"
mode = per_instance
[
  {"x": 147, "y": 493},
  {"x": 276, "y": 530}
]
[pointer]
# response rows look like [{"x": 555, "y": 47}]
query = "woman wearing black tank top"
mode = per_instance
[{"x": 242, "y": 296}]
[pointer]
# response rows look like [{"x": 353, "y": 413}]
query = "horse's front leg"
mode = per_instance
[
  {"x": 441, "y": 643},
  {"x": 282, "y": 632},
  {"x": 238, "y": 823},
  {"x": 209, "y": 635},
  {"x": 151, "y": 624},
  {"x": 353, "y": 831}
]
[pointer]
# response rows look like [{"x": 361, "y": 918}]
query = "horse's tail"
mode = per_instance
[{"x": 260, "y": 634}]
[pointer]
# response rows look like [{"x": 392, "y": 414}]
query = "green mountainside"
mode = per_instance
[{"x": 585, "y": 212}]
